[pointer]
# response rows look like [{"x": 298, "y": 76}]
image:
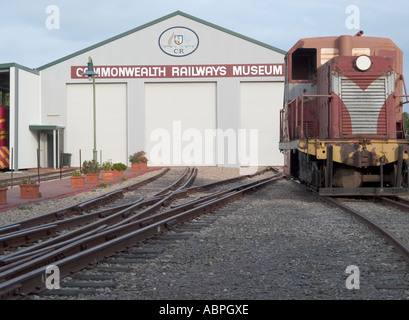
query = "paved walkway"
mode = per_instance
[{"x": 60, "y": 188}]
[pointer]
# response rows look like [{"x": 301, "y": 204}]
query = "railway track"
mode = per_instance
[
  {"x": 103, "y": 277},
  {"x": 16, "y": 179},
  {"x": 73, "y": 238},
  {"x": 386, "y": 216}
]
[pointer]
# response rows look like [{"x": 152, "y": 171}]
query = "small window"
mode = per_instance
[{"x": 304, "y": 64}]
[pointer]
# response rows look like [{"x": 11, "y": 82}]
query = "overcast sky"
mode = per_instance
[{"x": 27, "y": 38}]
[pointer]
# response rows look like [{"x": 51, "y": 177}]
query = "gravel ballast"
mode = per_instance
[{"x": 279, "y": 243}]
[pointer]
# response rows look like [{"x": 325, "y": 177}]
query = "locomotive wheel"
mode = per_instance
[{"x": 347, "y": 178}]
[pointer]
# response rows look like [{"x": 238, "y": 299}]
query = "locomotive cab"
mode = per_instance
[{"x": 342, "y": 121}]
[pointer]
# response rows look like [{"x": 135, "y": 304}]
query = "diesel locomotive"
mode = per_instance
[{"x": 341, "y": 126}]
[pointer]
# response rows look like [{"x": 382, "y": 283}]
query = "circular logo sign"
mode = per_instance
[{"x": 178, "y": 41}]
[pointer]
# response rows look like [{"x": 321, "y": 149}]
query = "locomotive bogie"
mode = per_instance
[{"x": 334, "y": 178}]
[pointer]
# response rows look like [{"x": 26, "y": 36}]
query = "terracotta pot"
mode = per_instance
[
  {"x": 30, "y": 191},
  {"x": 92, "y": 178},
  {"x": 139, "y": 166},
  {"x": 108, "y": 175},
  {"x": 78, "y": 182},
  {"x": 3, "y": 195},
  {"x": 118, "y": 174}
]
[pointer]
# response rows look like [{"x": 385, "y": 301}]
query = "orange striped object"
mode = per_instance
[{"x": 4, "y": 157}]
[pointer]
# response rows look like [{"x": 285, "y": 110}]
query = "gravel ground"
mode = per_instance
[{"x": 279, "y": 243}]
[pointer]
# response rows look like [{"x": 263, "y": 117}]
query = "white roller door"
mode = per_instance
[
  {"x": 260, "y": 109},
  {"x": 180, "y": 121},
  {"x": 111, "y": 131}
]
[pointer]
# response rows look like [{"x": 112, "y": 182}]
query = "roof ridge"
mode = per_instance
[{"x": 146, "y": 25}]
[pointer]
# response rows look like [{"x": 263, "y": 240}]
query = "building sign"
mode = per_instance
[
  {"x": 178, "y": 41},
  {"x": 183, "y": 71}
]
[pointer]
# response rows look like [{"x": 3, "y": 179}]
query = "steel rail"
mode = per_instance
[
  {"x": 230, "y": 180},
  {"x": 190, "y": 179},
  {"x": 20, "y": 282},
  {"x": 78, "y": 208},
  {"x": 174, "y": 185},
  {"x": 391, "y": 238},
  {"x": 147, "y": 213},
  {"x": 7, "y": 232},
  {"x": 60, "y": 214},
  {"x": 182, "y": 192},
  {"x": 397, "y": 243},
  {"x": 396, "y": 202},
  {"x": 250, "y": 188},
  {"x": 19, "y": 238},
  {"x": 14, "y": 261},
  {"x": 46, "y": 176},
  {"x": 110, "y": 217},
  {"x": 107, "y": 217},
  {"x": 33, "y": 234}
]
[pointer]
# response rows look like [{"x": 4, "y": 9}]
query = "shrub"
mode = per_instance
[
  {"x": 119, "y": 166},
  {"x": 76, "y": 173},
  {"x": 138, "y": 157},
  {"x": 27, "y": 181},
  {"x": 107, "y": 166},
  {"x": 90, "y": 167}
]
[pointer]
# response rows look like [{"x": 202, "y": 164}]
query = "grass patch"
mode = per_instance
[{"x": 25, "y": 207}]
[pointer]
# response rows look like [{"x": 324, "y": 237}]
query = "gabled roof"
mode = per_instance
[
  {"x": 176, "y": 13},
  {"x": 18, "y": 66}
]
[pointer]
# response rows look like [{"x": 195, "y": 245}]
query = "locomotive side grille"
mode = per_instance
[{"x": 363, "y": 113}]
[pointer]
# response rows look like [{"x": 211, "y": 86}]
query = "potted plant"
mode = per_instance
[
  {"x": 3, "y": 193},
  {"x": 29, "y": 189},
  {"x": 77, "y": 180},
  {"x": 91, "y": 170},
  {"x": 107, "y": 171},
  {"x": 138, "y": 160},
  {"x": 119, "y": 169}
]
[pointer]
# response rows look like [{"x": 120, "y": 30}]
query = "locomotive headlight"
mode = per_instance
[{"x": 363, "y": 63}]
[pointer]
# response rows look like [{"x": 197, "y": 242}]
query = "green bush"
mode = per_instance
[
  {"x": 76, "y": 173},
  {"x": 90, "y": 167},
  {"x": 119, "y": 166},
  {"x": 107, "y": 166}
]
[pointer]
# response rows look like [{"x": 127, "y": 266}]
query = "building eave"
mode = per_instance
[
  {"x": 18, "y": 66},
  {"x": 176, "y": 13}
]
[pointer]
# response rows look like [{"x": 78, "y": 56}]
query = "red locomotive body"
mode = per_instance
[{"x": 342, "y": 121}]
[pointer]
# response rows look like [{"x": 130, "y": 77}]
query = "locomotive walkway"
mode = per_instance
[{"x": 60, "y": 188}]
